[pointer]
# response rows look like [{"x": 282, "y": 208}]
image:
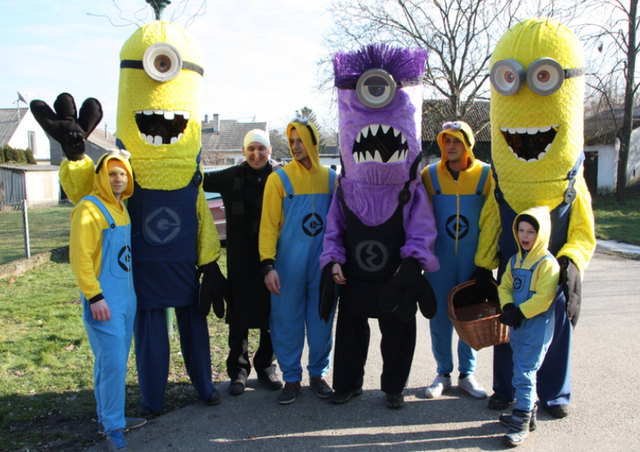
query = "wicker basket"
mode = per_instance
[{"x": 476, "y": 322}]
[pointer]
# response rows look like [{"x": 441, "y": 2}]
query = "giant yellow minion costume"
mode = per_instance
[
  {"x": 537, "y": 78},
  {"x": 173, "y": 235}
]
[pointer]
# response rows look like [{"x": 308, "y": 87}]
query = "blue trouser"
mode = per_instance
[
  {"x": 295, "y": 310},
  {"x": 554, "y": 376},
  {"x": 456, "y": 246},
  {"x": 529, "y": 342},
  {"x": 152, "y": 352},
  {"x": 111, "y": 340}
]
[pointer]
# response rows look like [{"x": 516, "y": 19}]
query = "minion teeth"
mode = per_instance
[
  {"x": 529, "y": 144},
  {"x": 380, "y": 143},
  {"x": 158, "y": 127}
]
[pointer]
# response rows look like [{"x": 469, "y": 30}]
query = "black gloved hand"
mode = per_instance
[
  {"x": 65, "y": 126},
  {"x": 327, "y": 293},
  {"x": 404, "y": 289},
  {"x": 426, "y": 298},
  {"x": 485, "y": 283},
  {"x": 511, "y": 316},
  {"x": 214, "y": 288},
  {"x": 571, "y": 287}
]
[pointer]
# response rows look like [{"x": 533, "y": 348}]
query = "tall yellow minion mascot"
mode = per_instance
[
  {"x": 537, "y": 89},
  {"x": 174, "y": 239}
]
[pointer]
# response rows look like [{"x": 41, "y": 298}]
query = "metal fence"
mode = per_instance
[{"x": 25, "y": 231}]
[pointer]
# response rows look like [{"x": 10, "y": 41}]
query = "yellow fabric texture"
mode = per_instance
[
  {"x": 166, "y": 166},
  {"x": 544, "y": 279},
  {"x": 544, "y": 181},
  {"x": 76, "y": 178},
  {"x": 312, "y": 181},
  {"x": 87, "y": 224}
]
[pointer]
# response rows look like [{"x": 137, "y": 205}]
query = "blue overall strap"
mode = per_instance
[
  {"x": 332, "y": 181},
  {"x": 103, "y": 209},
  {"x": 533, "y": 267},
  {"x": 483, "y": 179},
  {"x": 288, "y": 188},
  {"x": 434, "y": 179}
]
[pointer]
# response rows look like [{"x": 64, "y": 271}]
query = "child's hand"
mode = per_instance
[{"x": 511, "y": 316}]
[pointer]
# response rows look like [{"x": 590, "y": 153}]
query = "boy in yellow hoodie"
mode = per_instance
[
  {"x": 527, "y": 290},
  {"x": 100, "y": 256}
]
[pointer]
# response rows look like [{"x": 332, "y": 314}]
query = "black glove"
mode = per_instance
[
  {"x": 572, "y": 288},
  {"x": 511, "y": 316},
  {"x": 214, "y": 288},
  {"x": 327, "y": 293},
  {"x": 65, "y": 126},
  {"x": 406, "y": 287},
  {"x": 485, "y": 283}
]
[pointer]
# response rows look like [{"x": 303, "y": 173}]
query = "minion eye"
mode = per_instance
[
  {"x": 162, "y": 62},
  {"x": 545, "y": 76},
  {"x": 507, "y": 76},
  {"x": 376, "y": 88}
]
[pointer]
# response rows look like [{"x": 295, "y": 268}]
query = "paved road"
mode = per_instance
[{"x": 605, "y": 407}]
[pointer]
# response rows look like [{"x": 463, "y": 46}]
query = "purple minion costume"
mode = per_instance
[{"x": 380, "y": 225}]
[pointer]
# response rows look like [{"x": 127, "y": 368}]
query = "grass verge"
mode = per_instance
[
  {"x": 46, "y": 364},
  {"x": 616, "y": 221}
]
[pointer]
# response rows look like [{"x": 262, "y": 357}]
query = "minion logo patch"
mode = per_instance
[
  {"x": 371, "y": 255},
  {"x": 124, "y": 258},
  {"x": 162, "y": 226},
  {"x": 455, "y": 227},
  {"x": 517, "y": 284},
  {"x": 312, "y": 224}
]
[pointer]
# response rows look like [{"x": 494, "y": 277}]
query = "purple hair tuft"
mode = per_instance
[{"x": 401, "y": 63}]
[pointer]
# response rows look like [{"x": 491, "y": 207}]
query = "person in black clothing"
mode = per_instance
[{"x": 248, "y": 304}]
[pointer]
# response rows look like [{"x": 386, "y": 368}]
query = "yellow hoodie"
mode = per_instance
[
  {"x": 88, "y": 222},
  {"x": 544, "y": 280},
  {"x": 304, "y": 181}
]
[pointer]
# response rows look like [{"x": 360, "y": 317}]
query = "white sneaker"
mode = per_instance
[
  {"x": 439, "y": 385},
  {"x": 471, "y": 386}
]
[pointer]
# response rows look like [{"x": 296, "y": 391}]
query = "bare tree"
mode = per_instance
[
  {"x": 616, "y": 44},
  {"x": 459, "y": 35}
]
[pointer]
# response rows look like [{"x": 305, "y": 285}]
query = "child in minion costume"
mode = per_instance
[
  {"x": 174, "y": 240},
  {"x": 527, "y": 290},
  {"x": 457, "y": 197},
  {"x": 537, "y": 90},
  {"x": 100, "y": 257}
]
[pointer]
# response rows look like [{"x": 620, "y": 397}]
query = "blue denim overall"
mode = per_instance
[
  {"x": 297, "y": 264},
  {"x": 111, "y": 340}
]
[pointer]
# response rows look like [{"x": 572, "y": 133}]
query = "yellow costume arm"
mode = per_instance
[
  {"x": 581, "y": 239},
  {"x": 85, "y": 247},
  {"x": 505, "y": 289},
  {"x": 208, "y": 242},
  {"x": 76, "y": 178},
  {"x": 490, "y": 230},
  {"x": 272, "y": 217}
]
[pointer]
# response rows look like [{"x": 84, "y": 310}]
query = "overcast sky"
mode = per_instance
[{"x": 260, "y": 56}]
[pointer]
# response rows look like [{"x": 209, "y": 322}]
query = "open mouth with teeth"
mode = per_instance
[
  {"x": 159, "y": 127},
  {"x": 529, "y": 144},
  {"x": 378, "y": 143}
]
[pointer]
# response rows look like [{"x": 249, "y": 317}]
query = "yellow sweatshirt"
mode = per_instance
[{"x": 87, "y": 224}]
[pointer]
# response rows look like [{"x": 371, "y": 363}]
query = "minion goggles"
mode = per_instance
[{"x": 544, "y": 76}]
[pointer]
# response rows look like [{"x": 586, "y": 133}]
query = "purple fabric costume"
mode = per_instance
[{"x": 371, "y": 187}]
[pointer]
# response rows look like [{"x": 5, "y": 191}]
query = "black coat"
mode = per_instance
[{"x": 242, "y": 188}]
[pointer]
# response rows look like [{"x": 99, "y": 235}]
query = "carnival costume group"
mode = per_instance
[{"x": 371, "y": 242}]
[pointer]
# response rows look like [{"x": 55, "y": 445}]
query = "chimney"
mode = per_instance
[
  {"x": 216, "y": 122},
  {"x": 206, "y": 118}
]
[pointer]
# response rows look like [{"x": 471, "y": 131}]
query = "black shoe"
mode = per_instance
[
  {"x": 498, "y": 403},
  {"x": 320, "y": 387},
  {"x": 269, "y": 380},
  {"x": 213, "y": 399},
  {"x": 505, "y": 419},
  {"x": 237, "y": 386},
  {"x": 518, "y": 428},
  {"x": 144, "y": 411},
  {"x": 289, "y": 393},
  {"x": 395, "y": 401},
  {"x": 340, "y": 398},
  {"x": 558, "y": 411}
]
